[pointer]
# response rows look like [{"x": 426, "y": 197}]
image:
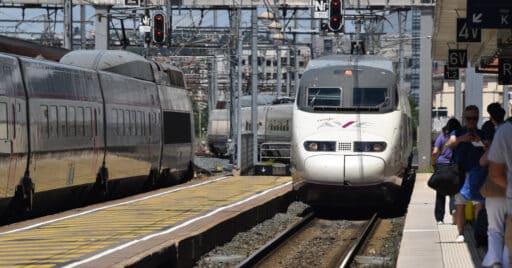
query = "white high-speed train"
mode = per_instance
[
  {"x": 351, "y": 133},
  {"x": 274, "y": 125}
]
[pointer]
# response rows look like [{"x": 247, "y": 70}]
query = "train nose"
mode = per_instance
[
  {"x": 363, "y": 169},
  {"x": 352, "y": 169},
  {"x": 327, "y": 168}
]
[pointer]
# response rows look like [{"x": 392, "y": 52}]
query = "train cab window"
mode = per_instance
[
  {"x": 45, "y": 123},
  {"x": 88, "y": 122},
  {"x": 3, "y": 121},
  {"x": 80, "y": 121},
  {"x": 370, "y": 97},
  {"x": 324, "y": 97},
  {"x": 52, "y": 114},
  {"x": 71, "y": 122},
  {"x": 63, "y": 127}
]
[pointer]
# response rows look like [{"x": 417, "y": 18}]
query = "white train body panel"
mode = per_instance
[
  {"x": 351, "y": 134},
  {"x": 344, "y": 166}
]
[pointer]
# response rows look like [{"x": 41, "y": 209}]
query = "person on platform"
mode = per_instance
[
  {"x": 500, "y": 171},
  {"x": 497, "y": 254},
  {"x": 466, "y": 143},
  {"x": 442, "y": 156}
]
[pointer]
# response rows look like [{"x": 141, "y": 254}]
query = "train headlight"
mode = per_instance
[
  {"x": 320, "y": 146},
  {"x": 369, "y": 146}
]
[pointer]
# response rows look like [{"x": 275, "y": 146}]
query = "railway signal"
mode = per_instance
[
  {"x": 335, "y": 15},
  {"x": 159, "y": 28}
]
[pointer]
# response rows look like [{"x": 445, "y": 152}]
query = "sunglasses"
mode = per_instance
[{"x": 473, "y": 118}]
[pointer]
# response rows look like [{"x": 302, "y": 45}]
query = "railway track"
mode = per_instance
[{"x": 314, "y": 241}]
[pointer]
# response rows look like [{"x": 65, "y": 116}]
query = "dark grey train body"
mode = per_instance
[{"x": 88, "y": 126}]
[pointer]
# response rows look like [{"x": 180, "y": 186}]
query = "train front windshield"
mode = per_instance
[
  {"x": 371, "y": 99},
  {"x": 369, "y": 89}
]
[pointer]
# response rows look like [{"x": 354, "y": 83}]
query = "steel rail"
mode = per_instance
[
  {"x": 350, "y": 254},
  {"x": 259, "y": 255}
]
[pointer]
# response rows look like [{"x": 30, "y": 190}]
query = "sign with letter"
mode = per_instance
[
  {"x": 505, "y": 71},
  {"x": 131, "y": 3},
  {"x": 457, "y": 58},
  {"x": 467, "y": 33},
  {"x": 321, "y": 7},
  {"x": 489, "y": 13},
  {"x": 451, "y": 73}
]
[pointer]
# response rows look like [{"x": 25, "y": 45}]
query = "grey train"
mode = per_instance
[
  {"x": 95, "y": 118},
  {"x": 274, "y": 125},
  {"x": 351, "y": 138}
]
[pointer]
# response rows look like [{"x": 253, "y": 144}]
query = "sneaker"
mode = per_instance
[
  {"x": 440, "y": 223},
  {"x": 459, "y": 239}
]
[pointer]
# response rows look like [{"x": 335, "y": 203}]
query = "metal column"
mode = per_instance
[
  {"x": 68, "y": 24},
  {"x": 83, "y": 38},
  {"x": 458, "y": 100},
  {"x": 473, "y": 90},
  {"x": 101, "y": 36},
  {"x": 279, "y": 72},
  {"x": 425, "y": 112},
  {"x": 254, "y": 82}
]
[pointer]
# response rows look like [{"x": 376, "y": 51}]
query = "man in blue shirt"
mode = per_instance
[{"x": 468, "y": 148}]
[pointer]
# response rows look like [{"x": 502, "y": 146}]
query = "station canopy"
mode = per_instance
[{"x": 494, "y": 42}]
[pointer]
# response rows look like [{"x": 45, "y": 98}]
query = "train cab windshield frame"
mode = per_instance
[{"x": 339, "y": 93}]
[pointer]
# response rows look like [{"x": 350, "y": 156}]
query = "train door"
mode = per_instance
[{"x": 11, "y": 166}]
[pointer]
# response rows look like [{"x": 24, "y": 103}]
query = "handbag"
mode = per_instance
[{"x": 447, "y": 179}]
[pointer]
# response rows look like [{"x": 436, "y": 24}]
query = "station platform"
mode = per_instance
[
  {"x": 427, "y": 244},
  {"x": 171, "y": 227}
]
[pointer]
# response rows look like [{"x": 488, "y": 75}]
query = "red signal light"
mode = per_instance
[
  {"x": 159, "y": 28},
  {"x": 335, "y": 16}
]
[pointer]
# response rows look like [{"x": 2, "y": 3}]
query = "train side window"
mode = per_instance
[
  {"x": 133, "y": 122},
  {"x": 143, "y": 123},
  {"x": 13, "y": 121},
  {"x": 115, "y": 122},
  {"x": 71, "y": 122},
  {"x": 149, "y": 124},
  {"x": 95, "y": 123},
  {"x": 139, "y": 122},
  {"x": 87, "y": 122},
  {"x": 62, "y": 121},
  {"x": 3, "y": 121},
  {"x": 126, "y": 123},
  {"x": 120, "y": 122},
  {"x": 53, "y": 121},
  {"x": 45, "y": 123},
  {"x": 80, "y": 121}
]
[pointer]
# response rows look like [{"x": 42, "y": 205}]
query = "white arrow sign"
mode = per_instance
[{"x": 477, "y": 17}]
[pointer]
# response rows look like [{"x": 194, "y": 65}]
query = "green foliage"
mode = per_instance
[{"x": 204, "y": 120}]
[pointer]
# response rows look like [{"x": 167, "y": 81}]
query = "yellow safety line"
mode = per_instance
[{"x": 66, "y": 240}]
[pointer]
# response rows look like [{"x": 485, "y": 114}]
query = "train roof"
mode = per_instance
[
  {"x": 115, "y": 61},
  {"x": 351, "y": 60}
]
